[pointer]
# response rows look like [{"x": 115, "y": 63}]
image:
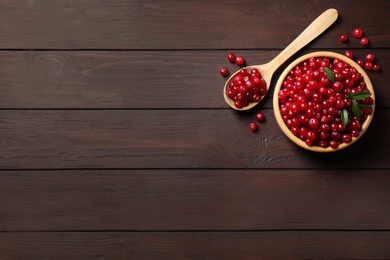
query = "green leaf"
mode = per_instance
[
  {"x": 329, "y": 74},
  {"x": 357, "y": 111},
  {"x": 364, "y": 106},
  {"x": 344, "y": 117},
  {"x": 359, "y": 96}
]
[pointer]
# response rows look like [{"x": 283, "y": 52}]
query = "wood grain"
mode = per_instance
[
  {"x": 116, "y": 142},
  {"x": 142, "y": 79},
  {"x": 196, "y": 245},
  {"x": 174, "y": 24},
  {"x": 53, "y": 139},
  {"x": 203, "y": 199}
]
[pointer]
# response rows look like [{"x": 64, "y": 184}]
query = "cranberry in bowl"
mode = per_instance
[{"x": 324, "y": 101}]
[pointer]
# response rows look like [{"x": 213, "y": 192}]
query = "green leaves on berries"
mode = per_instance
[
  {"x": 344, "y": 117},
  {"x": 356, "y": 107},
  {"x": 357, "y": 111},
  {"x": 329, "y": 73},
  {"x": 359, "y": 95}
]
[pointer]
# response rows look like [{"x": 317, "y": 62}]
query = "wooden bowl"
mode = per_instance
[{"x": 276, "y": 106}]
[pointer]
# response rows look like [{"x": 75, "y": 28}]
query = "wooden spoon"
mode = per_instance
[{"x": 318, "y": 26}]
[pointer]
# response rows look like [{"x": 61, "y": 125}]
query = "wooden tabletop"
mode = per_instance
[{"x": 116, "y": 142}]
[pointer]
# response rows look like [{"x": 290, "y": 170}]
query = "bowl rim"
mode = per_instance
[{"x": 283, "y": 126}]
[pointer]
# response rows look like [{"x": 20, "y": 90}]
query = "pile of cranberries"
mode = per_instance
[
  {"x": 246, "y": 87},
  {"x": 316, "y": 105}
]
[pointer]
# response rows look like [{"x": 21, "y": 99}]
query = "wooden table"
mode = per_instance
[{"x": 116, "y": 142}]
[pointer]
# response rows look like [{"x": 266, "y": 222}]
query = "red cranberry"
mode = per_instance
[
  {"x": 376, "y": 67},
  {"x": 260, "y": 117},
  {"x": 360, "y": 62},
  {"x": 343, "y": 37},
  {"x": 368, "y": 65},
  {"x": 232, "y": 57},
  {"x": 349, "y": 54},
  {"x": 282, "y": 94},
  {"x": 311, "y": 135},
  {"x": 313, "y": 123},
  {"x": 347, "y": 138},
  {"x": 238, "y": 104},
  {"x": 224, "y": 72},
  {"x": 364, "y": 41},
  {"x": 357, "y": 33},
  {"x": 240, "y": 60},
  {"x": 253, "y": 126},
  {"x": 333, "y": 144},
  {"x": 370, "y": 57}
]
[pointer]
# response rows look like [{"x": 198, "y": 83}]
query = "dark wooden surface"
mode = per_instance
[{"x": 116, "y": 142}]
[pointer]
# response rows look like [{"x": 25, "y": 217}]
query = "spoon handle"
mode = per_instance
[{"x": 318, "y": 26}]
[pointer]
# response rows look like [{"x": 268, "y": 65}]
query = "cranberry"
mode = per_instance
[
  {"x": 364, "y": 41},
  {"x": 343, "y": 37},
  {"x": 238, "y": 104},
  {"x": 260, "y": 117},
  {"x": 303, "y": 131},
  {"x": 339, "y": 104},
  {"x": 368, "y": 65},
  {"x": 360, "y": 62},
  {"x": 256, "y": 97},
  {"x": 337, "y": 86},
  {"x": 232, "y": 57},
  {"x": 313, "y": 123},
  {"x": 376, "y": 67},
  {"x": 224, "y": 72},
  {"x": 253, "y": 126},
  {"x": 282, "y": 94},
  {"x": 357, "y": 33},
  {"x": 346, "y": 138},
  {"x": 333, "y": 144},
  {"x": 370, "y": 57},
  {"x": 355, "y": 125},
  {"x": 313, "y": 84},
  {"x": 240, "y": 60},
  {"x": 349, "y": 54},
  {"x": 311, "y": 135},
  {"x": 323, "y": 143}
]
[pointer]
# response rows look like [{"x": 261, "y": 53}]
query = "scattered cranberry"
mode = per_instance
[
  {"x": 240, "y": 60},
  {"x": 260, "y": 117},
  {"x": 224, "y": 72},
  {"x": 349, "y": 54},
  {"x": 364, "y": 41},
  {"x": 370, "y": 57},
  {"x": 232, "y": 57},
  {"x": 313, "y": 110},
  {"x": 357, "y": 33},
  {"x": 246, "y": 87},
  {"x": 376, "y": 67},
  {"x": 253, "y": 126},
  {"x": 368, "y": 65},
  {"x": 360, "y": 62},
  {"x": 343, "y": 37}
]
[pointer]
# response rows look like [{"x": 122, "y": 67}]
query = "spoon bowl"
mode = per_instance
[{"x": 318, "y": 26}]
